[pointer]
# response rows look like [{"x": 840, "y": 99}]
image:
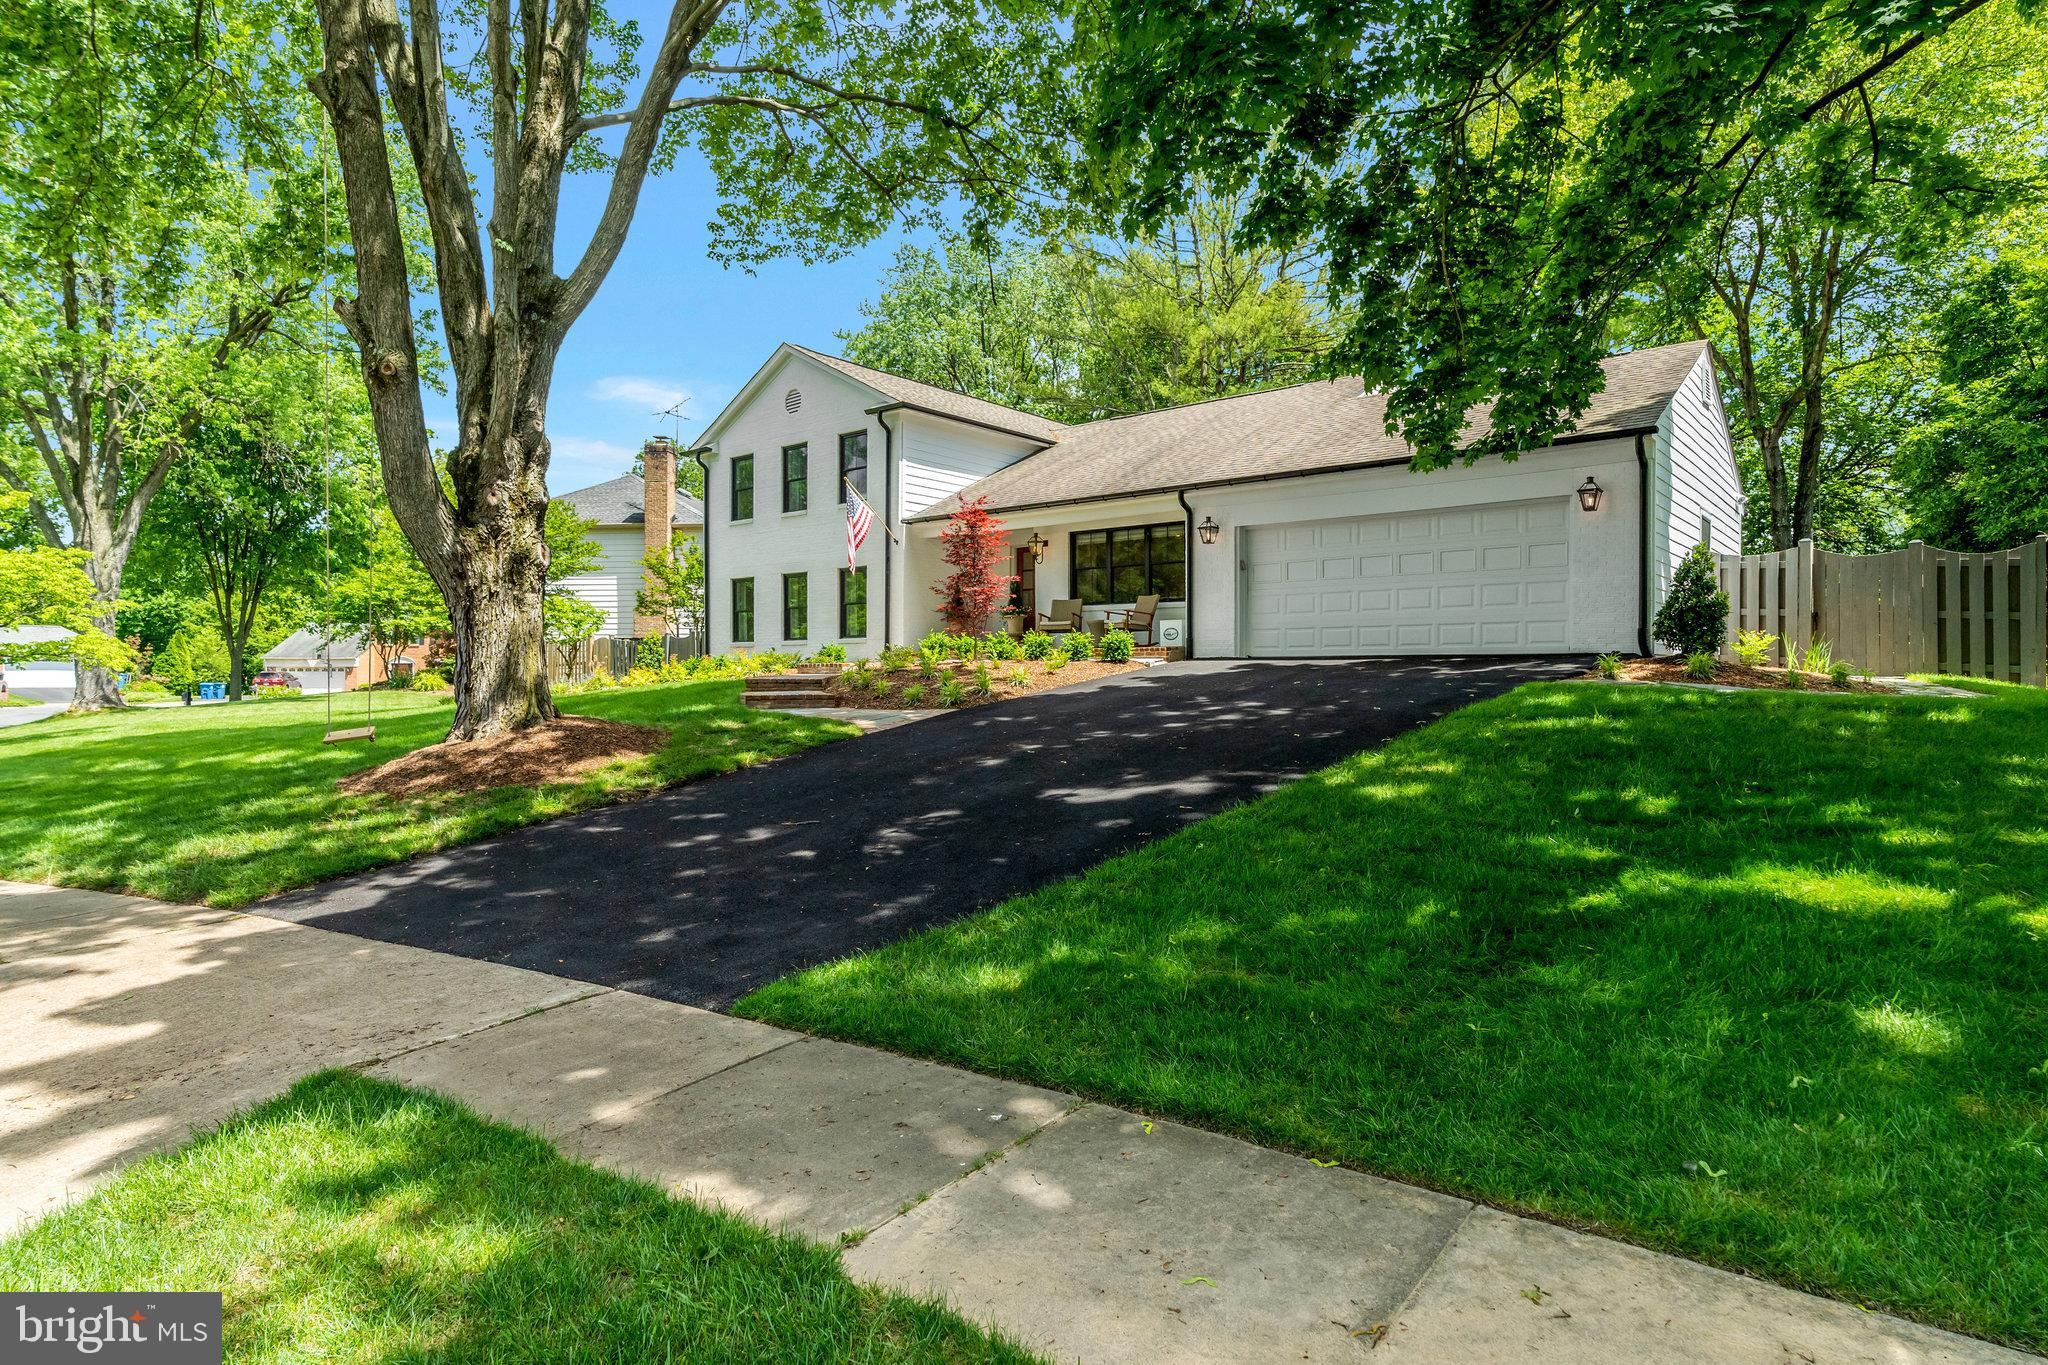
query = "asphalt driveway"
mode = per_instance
[{"x": 704, "y": 892}]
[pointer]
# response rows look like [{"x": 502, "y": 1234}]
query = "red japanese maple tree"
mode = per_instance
[{"x": 975, "y": 543}]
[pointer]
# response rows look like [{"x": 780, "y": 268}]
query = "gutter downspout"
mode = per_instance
[
  {"x": 888, "y": 506},
  {"x": 697, "y": 455},
  {"x": 1187, "y": 587},
  {"x": 1644, "y": 496}
]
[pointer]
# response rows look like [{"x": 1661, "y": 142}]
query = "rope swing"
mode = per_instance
[{"x": 367, "y": 730}]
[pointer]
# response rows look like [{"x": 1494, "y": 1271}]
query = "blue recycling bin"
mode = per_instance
[{"x": 212, "y": 691}]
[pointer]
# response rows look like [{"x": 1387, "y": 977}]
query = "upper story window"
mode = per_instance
[
  {"x": 1128, "y": 562},
  {"x": 796, "y": 478},
  {"x": 853, "y": 463},
  {"x": 742, "y": 488}
]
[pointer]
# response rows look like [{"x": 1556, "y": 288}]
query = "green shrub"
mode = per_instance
[
  {"x": 927, "y": 663},
  {"x": 1020, "y": 675},
  {"x": 999, "y": 647},
  {"x": 1036, "y": 644},
  {"x": 832, "y": 654},
  {"x": 146, "y": 689},
  {"x": 1608, "y": 665},
  {"x": 273, "y": 691},
  {"x": 1078, "y": 645},
  {"x": 1820, "y": 656},
  {"x": 912, "y": 693},
  {"x": 952, "y": 692},
  {"x": 1117, "y": 646},
  {"x": 1694, "y": 617},
  {"x": 640, "y": 675},
  {"x": 1839, "y": 672},
  {"x": 651, "y": 654},
  {"x": 984, "y": 684},
  {"x": 429, "y": 681},
  {"x": 898, "y": 657},
  {"x": 1795, "y": 681},
  {"x": 1700, "y": 666},
  {"x": 1056, "y": 661},
  {"x": 1753, "y": 647}
]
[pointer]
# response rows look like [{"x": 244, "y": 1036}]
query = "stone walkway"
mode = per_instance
[{"x": 1089, "y": 1232}]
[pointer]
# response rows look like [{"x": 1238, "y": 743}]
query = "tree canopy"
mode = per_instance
[{"x": 1490, "y": 182}]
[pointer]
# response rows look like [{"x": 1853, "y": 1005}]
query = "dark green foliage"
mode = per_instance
[
  {"x": 1694, "y": 617},
  {"x": 1117, "y": 646}
]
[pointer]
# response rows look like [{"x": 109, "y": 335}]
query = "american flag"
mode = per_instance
[{"x": 859, "y": 517}]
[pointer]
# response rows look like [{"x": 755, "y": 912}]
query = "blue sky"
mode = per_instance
[{"x": 670, "y": 322}]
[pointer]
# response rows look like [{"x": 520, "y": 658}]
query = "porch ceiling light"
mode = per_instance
[
  {"x": 1039, "y": 545},
  {"x": 1589, "y": 495},
  {"x": 1208, "y": 530}
]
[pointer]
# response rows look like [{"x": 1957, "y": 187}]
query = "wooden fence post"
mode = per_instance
[{"x": 2034, "y": 612}]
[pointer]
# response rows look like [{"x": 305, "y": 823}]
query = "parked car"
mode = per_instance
[{"x": 274, "y": 677}]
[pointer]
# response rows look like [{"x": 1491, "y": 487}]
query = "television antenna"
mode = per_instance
[{"x": 674, "y": 412}]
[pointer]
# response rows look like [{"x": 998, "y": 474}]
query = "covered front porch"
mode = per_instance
[{"x": 1105, "y": 555}]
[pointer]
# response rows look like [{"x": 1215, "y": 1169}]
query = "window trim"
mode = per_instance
[
  {"x": 844, "y": 437},
  {"x": 1109, "y": 534},
  {"x": 803, "y": 485},
  {"x": 733, "y": 505},
  {"x": 857, "y": 574},
  {"x": 805, "y": 580},
  {"x": 752, "y": 624}
]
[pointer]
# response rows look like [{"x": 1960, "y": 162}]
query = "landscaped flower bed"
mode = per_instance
[
  {"x": 962, "y": 670},
  {"x": 1672, "y": 669},
  {"x": 954, "y": 683}
]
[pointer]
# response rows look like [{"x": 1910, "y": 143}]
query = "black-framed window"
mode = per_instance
[
  {"x": 853, "y": 603},
  {"x": 796, "y": 606},
  {"x": 742, "y": 488},
  {"x": 743, "y": 611},
  {"x": 796, "y": 478},
  {"x": 1124, "y": 563},
  {"x": 853, "y": 463}
]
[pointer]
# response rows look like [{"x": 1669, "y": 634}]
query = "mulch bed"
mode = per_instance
[
  {"x": 1672, "y": 670},
  {"x": 562, "y": 749},
  {"x": 1038, "y": 678}
]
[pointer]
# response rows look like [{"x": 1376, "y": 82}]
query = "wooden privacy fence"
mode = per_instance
[
  {"x": 615, "y": 654},
  {"x": 1916, "y": 610}
]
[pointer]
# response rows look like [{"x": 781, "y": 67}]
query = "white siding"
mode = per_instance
[
  {"x": 933, "y": 458},
  {"x": 1693, "y": 472},
  {"x": 942, "y": 457},
  {"x": 811, "y": 542},
  {"x": 614, "y": 581}
]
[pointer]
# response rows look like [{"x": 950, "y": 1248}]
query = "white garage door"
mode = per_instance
[{"x": 1470, "y": 580}]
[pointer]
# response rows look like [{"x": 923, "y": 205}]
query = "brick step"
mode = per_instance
[
  {"x": 1167, "y": 652},
  {"x": 785, "y": 682},
  {"x": 790, "y": 701}
]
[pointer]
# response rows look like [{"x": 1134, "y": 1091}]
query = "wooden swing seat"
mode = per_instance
[{"x": 343, "y": 736}]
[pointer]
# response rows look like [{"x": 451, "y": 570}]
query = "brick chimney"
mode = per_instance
[{"x": 658, "y": 502}]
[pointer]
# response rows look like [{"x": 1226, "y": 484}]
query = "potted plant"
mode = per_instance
[{"x": 1014, "y": 622}]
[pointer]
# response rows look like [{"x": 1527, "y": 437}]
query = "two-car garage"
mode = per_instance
[{"x": 1484, "y": 579}]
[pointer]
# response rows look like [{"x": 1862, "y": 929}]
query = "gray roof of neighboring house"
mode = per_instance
[
  {"x": 619, "y": 502},
  {"x": 1322, "y": 425},
  {"x": 311, "y": 644},
  {"x": 35, "y": 635},
  {"x": 945, "y": 402}
]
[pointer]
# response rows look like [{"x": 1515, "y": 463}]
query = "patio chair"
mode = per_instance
[
  {"x": 1138, "y": 618},
  {"x": 1062, "y": 617}
]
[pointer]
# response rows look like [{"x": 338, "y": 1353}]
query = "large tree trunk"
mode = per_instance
[
  {"x": 501, "y": 679},
  {"x": 97, "y": 689}
]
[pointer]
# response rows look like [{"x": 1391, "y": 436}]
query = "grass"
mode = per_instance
[
  {"x": 1758, "y": 978},
  {"x": 351, "y": 1219},
  {"x": 223, "y": 804}
]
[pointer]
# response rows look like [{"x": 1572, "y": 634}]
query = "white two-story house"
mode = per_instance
[{"x": 1281, "y": 524}]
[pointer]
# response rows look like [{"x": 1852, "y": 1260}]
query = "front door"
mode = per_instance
[{"x": 1024, "y": 592}]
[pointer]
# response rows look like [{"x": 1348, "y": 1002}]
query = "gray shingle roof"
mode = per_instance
[
  {"x": 311, "y": 644},
  {"x": 1325, "y": 424},
  {"x": 942, "y": 401},
  {"x": 619, "y": 502}
]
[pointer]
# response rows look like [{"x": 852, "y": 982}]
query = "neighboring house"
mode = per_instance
[
  {"x": 321, "y": 666},
  {"x": 45, "y": 680},
  {"x": 624, "y": 534},
  {"x": 1279, "y": 524}
]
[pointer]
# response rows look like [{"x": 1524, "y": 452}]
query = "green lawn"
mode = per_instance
[
  {"x": 355, "y": 1220},
  {"x": 1758, "y": 978},
  {"x": 227, "y": 803}
]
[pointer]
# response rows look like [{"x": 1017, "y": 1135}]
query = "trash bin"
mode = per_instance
[{"x": 212, "y": 691}]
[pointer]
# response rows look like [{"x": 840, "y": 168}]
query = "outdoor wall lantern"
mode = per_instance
[
  {"x": 1589, "y": 495},
  {"x": 1039, "y": 545},
  {"x": 1208, "y": 530}
]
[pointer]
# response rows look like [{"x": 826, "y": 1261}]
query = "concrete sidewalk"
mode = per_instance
[{"x": 1088, "y": 1232}]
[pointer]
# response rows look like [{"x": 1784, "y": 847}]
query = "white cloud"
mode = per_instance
[
  {"x": 659, "y": 395},
  {"x": 579, "y": 461}
]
